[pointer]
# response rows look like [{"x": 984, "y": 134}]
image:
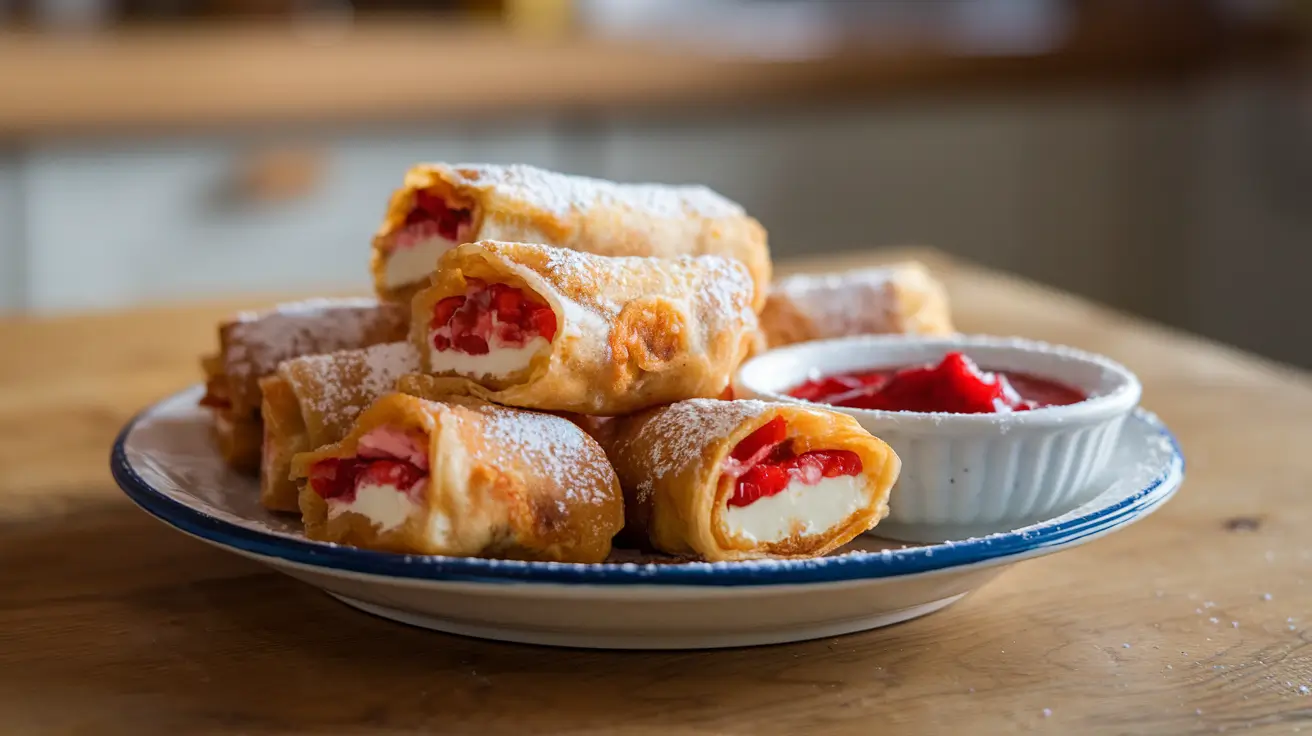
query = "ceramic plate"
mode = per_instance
[{"x": 165, "y": 462}]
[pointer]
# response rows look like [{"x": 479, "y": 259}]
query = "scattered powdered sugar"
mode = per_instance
[
  {"x": 719, "y": 289},
  {"x": 348, "y": 381},
  {"x": 849, "y": 303},
  {"x": 723, "y": 293},
  {"x": 556, "y": 447},
  {"x": 258, "y": 342},
  {"x": 714, "y": 292},
  {"x": 676, "y": 436},
  {"x": 561, "y": 194}
]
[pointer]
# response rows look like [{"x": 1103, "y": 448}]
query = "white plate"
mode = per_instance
[{"x": 165, "y": 462}]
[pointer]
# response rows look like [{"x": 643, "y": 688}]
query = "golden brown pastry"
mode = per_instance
[
  {"x": 553, "y": 329},
  {"x": 253, "y": 343},
  {"x": 313, "y": 400},
  {"x": 738, "y": 480},
  {"x": 238, "y": 439},
  {"x": 903, "y": 298},
  {"x": 442, "y": 205},
  {"x": 465, "y": 478}
]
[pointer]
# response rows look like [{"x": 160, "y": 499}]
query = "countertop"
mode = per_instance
[
  {"x": 1196, "y": 619},
  {"x": 144, "y": 79}
]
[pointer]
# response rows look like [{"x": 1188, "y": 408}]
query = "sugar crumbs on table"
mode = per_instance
[
  {"x": 1126, "y": 645},
  {"x": 1266, "y": 596},
  {"x": 1234, "y": 624},
  {"x": 1214, "y": 620},
  {"x": 1209, "y": 604},
  {"x": 1047, "y": 712}
]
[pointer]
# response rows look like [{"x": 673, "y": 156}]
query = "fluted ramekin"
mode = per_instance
[{"x": 966, "y": 475}]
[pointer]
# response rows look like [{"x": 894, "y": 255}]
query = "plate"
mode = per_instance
[{"x": 166, "y": 463}]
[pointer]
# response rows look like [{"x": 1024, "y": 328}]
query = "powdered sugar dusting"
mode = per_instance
[
  {"x": 555, "y": 446},
  {"x": 676, "y": 437},
  {"x": 563, "y": 193},
  {"x": 717, "y": 290},
  {"x": 859, "y": 302},
  {"x": 258, "y": 341},
  {"x": 348, "y": 381},
  {"x": 592, "y": 292}
]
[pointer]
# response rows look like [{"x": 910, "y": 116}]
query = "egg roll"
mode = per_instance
[
  {"x": 313, "y": 400},
  {"x": 440, "y": 206},
  {"x": 252, "y": 344},
  {"x": 552, "y": 329},
  {"x": 903, "y": 298},
  {"x": 463, "y": 478},
  {"x": 742, "y": 480}
]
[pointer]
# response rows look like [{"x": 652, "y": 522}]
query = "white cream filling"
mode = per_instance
[
  {"x": 798, "y": 508},
  {"x": 383, "y": 504},
  {"x": 500, "y": 359},
  {"x": 412, "y": 264}
]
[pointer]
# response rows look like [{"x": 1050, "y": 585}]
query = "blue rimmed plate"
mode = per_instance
[{"x": 165, "y": 461}]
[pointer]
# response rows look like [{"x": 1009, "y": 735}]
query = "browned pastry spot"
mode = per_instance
[{"x": 647, "y": 335}]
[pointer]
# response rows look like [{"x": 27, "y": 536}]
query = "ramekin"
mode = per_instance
[{"x": 969, "y": 475}]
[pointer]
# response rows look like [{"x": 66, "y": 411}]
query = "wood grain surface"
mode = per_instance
[{"x": 1195, "y": 620}]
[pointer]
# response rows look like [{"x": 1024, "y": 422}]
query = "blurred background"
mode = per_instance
[{"x": 1155, "y": 156}]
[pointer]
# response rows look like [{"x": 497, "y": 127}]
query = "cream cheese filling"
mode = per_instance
[
  {"x": 385, "y": 505},
  {"x": 412, "y": 264},
  {"x": 799, "y": 508},
  {"x": 500, "y": 360}
]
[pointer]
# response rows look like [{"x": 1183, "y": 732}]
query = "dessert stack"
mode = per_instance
[{"x": 546, "y": 369}]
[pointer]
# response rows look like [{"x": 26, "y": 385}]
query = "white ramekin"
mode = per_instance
[{"x": 967, "y": 475}]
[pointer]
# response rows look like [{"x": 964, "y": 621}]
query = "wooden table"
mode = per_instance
[{"x": 1194, "y": 620}]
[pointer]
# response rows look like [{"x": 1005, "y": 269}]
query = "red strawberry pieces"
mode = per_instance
[
  {"x": 432, "y": 216},
  {"x": 764, "y": 464},
  {"x": 340, "y": 478},
  {"x": 956, "y": 385},
  {"x": 490, "y": 314}
]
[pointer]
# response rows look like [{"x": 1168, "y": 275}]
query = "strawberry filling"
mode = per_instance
[
  {"x": 386, "y": 457},
  {"x": 956, "y": 386},
  {"x": 490, "y": 316},
  {"x": 764, "y": 464},
  {"x": 433, "y": 217}
]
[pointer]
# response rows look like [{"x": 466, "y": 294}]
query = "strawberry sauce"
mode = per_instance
[
  {"x": 433, "y": 217},
  {"x": 763, "y": 464},
  {"x": 387, "y": 457},
  {"x": 955, "y": 386},
  {"x": 486, "y": 314}
]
